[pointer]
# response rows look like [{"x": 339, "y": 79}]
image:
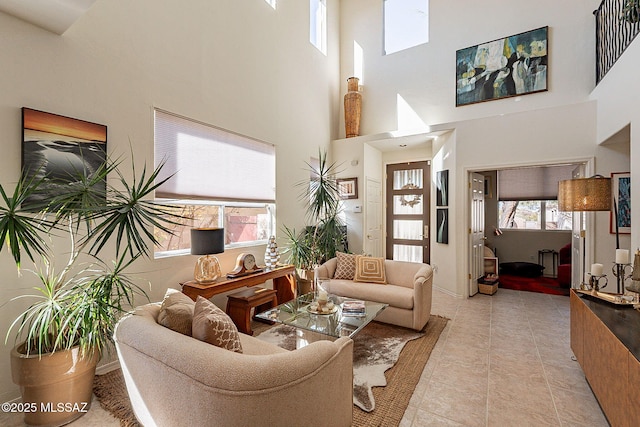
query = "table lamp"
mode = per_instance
[
  {"x": 207, "y": 241},
  {"x": 584, "y": 195}
]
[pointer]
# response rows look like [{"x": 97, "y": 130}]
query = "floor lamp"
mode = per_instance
[{"x": 584, "y": 195}]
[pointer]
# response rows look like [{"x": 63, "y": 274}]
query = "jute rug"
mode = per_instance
[
  {"x": 390, "y": 401},
  {"x": 111, "y": 391}
]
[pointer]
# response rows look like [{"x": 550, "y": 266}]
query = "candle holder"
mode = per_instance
[
  {"x": 594, "y": 281},
  {"x": 621, "y": 275}
]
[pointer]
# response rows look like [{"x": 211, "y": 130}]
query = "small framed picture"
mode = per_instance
[
  {"x": 348, "y": 188},
  {"x": 621, "y": 189}
]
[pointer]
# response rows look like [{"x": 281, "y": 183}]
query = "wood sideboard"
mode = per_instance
[
  {"x": 283, "y": 276},
  {"x": 606, "y": 342}
]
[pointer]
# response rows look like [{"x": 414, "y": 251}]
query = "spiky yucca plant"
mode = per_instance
[
  {"x": 79, "y": 305},
  {"x": 320, "y": 240}
]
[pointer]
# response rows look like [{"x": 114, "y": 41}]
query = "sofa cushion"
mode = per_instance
[
  {"x": 346, "y": 267},
  {"x": 395, "y": 296},
  {"x": 370, "y": 270},
  {"x": 176, "y": 312},
  {"x": 256, "y": 347},
  {"x": 212, "y": 325}
]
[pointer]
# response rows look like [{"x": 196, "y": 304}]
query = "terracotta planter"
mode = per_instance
[
  {"x": 57, "y": 387},
  {"x": 305, "y": 281}
]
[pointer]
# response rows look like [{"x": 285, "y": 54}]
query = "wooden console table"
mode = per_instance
[
  {"x": 606, "y": 341},
  {"x": 284, "y": 282}
]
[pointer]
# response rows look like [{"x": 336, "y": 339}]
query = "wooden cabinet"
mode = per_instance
[
  {"x": 634, "y": 389},
  {"x": 578, "y": 310},
  {"x": 613, "y": 372}
]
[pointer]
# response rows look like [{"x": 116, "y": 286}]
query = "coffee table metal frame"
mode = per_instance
[{"x": 295, "y": 313}]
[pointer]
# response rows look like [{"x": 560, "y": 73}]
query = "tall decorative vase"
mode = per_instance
[
  {"x": 271, "y": 255},
  {"x": 352, "y": 108}
]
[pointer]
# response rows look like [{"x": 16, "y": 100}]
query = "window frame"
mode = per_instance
[
  {"x": 543, "y": 218},
  {"x": 318, "y": 33},
  {"x": 222, "y": 205}
]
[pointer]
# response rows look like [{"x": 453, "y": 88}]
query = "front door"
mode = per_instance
[
  {"x": 408, "y": 206},
  {"x": 373, "y": 218}
]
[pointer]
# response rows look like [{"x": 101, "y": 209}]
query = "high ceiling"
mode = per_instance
[{"x": 53, "y": 15}]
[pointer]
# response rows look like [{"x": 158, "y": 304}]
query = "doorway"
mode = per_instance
[{"x": 407, "y": 211}]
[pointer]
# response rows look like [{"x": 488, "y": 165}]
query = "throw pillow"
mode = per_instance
[
  {"x": 346, "y": 267},
  {"x": 370, "y": 270},
  {"x": 176, "y": 312},
  {"x": 212, "y": 325}
]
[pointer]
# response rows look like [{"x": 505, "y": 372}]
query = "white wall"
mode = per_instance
[
  {"x": 425, "y": 75},
  {"x": 238, "y": 65},
  {"x": 617, "y": 97},
  {"x": 545, "y": 128}
]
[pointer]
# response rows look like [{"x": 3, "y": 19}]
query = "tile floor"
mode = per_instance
[{"x": 502, "y": 360}]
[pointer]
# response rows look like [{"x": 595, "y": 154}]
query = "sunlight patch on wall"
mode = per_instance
[
  {"x": 358, "y": 61},
  {"x": 408, "y": 119}
]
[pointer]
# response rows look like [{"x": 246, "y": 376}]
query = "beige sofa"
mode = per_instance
[
  {"x": 175, "y": 380},
  {"x": 408, "y": 291}
]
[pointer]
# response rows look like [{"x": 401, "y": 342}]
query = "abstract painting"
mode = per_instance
[
  {"x": 621, "y": 189},
  {"x": 442, "y": 188},
  {"x": 60, "y": 151},
  {"x": 442, "y": 223},
  {"x": 510, "y": 66}
]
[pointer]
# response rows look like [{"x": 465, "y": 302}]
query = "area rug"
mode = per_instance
[
  {"x": 545, "y": 285},
  {"x": 111, "y": 392},
  {"x": 390, "y": 401},
  {"x": 377, "y": 348}
]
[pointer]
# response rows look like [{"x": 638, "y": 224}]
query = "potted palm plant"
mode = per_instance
[
  {"x": 326, "y": 233},
  {"x": 61, "y": 335}
]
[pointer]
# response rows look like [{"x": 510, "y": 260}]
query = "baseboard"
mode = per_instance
[
  {"x": 448, "y": 292},
  {"x": 107, "y": 367}
]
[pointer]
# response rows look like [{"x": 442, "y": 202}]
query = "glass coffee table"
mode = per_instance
[{"x": 336, "y": 323}]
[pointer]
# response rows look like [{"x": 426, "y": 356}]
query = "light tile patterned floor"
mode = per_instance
[{"x": 502, "y": 360}]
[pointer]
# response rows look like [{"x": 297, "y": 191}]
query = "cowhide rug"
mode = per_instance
[{"x": 376, "y": 348}]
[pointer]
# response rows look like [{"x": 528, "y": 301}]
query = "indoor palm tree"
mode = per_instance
[
  {"x": 325, "y": 234},
  {"x": 75, "y": 308}
]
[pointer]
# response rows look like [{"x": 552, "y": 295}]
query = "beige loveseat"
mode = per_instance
[
  {"x": 177, "y": 380},
  {"x": 408, "y": 291}
]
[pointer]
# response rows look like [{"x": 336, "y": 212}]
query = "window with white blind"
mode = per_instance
[
  {"x": 527, "y": 198},
  {"x": 218, "y": 179}
]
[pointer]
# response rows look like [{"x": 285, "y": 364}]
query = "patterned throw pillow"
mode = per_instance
[
  {"x": 176, "y": 312},
  {"x": 346, "y": 267},
  {"x": 212, "y": 325},
  {"x": 370, "y": 270}
]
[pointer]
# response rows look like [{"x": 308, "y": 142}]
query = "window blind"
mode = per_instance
[
  {"x": 535, "y": 183},
  {"x": 211, "y": 163}
]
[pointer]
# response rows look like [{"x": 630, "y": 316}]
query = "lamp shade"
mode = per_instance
[
  {"x": 207, "y": 241},
  {"x": 584, "y": 194}
]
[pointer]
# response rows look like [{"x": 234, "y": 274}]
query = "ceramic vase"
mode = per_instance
[
  {"x": 352, "y": 108},
  {"x": 271, "y": 255}
]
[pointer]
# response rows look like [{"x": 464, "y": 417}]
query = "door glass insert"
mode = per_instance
[
  {"x": 407, "y": 179},
  {"x": 407, "y": 253},
  {"x": 408, "y": 204},
  {"x": 408, "y": 230}
]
